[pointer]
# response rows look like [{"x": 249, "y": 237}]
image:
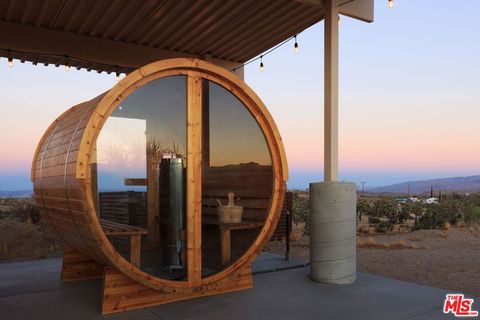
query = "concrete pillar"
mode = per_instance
[{"x": 333, "y": 232}]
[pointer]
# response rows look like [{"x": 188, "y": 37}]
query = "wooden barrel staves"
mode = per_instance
[{"x": 227, "y": 143}]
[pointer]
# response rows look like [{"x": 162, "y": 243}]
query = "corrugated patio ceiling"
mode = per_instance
[{"x": 233, "y": 30}]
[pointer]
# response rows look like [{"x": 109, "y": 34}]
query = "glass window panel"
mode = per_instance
[
  {"x": 236, "y": 161},
  {"x": 141, "y": 174}
]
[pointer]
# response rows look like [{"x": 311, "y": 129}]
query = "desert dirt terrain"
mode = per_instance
[
  {"x": 27, "y": 241},
  {"x": 23, "y": 235},
  {"x": 448, "y": 259}
]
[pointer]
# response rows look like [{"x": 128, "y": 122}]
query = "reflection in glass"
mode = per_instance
[
  {"x": 236, "y": 164},
  {"x": 141, "y": 173}
]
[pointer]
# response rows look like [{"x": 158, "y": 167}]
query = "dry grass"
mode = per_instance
[
  {"x": 363, "y": 229},
  {"x": 474, "y": 230},
  {"x": 371, "y": 243},
  {"x": 443, "y": 234},
  {"x": 297, "y": 231},
  {"x": 295, "y": 235}
]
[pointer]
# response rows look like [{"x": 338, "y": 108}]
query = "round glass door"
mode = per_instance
[
  {"x": 184, "y": 162},
  {"x": 141, "y": 173}
]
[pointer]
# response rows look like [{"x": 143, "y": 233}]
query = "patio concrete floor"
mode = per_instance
[{"x": 32, "y": 290}]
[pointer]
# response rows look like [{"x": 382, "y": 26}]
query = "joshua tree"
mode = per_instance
[
  {"x": 415, "y": 208},
  {"x": 362, "y": 207}
]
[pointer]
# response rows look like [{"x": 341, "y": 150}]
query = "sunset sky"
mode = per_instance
[{"x": 409, "y": 97}]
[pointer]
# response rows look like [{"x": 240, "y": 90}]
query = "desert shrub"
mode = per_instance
[
  {"x": 373, "y": 220},
  {"x": 473, "y": 215},
  {"x": 460, "y": 206},
  {"x": 451, "y": 211},
  {"x": 388, "y": 208},
  {"x": 363, "y": 207},
  {"x": 383, "y": 207},
  {"x": 9, "y": 201},
  {"x": 428, "y": 221},
  {"x": 397, "y": 216},
  {"x": 437, "y": 215},
  {"x": 474, "y": 199},
  {"x": 384, "y": 226},
  {"x": 26, "y": 211},
  {"x": 415, "y": 208},
  {"x": 301, "y": 211}
]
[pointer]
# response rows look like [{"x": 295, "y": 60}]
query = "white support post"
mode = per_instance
[
  {"x": 332, "y": 203},
  {"x": 331, "y": 92}
]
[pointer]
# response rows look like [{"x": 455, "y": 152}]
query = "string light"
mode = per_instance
[
  {"x": 10, "y": 60},
  {"x": 67, "y": 64},
  {"x": 69, "y": 59},
  {"x": 109, "y": 67},
  {"x": 117, "y": 76},
  {"x": 390, "y": 3},
  {"x": 262, "y": 66}
]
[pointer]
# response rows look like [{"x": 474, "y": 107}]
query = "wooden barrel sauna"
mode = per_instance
[{"x": 94, "y": 191}]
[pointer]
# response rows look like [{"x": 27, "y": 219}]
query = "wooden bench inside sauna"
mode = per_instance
[{"x": 167, "y": 186}]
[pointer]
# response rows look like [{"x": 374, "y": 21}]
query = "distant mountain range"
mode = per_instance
[
  {"x": 16, "y": 193},
  {"x": 455, "y": 184}
]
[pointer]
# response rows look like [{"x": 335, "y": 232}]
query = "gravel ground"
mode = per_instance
[{"x": 444, "y": 259}]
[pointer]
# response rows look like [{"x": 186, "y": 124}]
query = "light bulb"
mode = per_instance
[
  {"x": 67, "y": 67},
  {"x": 295, "y": 46},
  {"x": 262, "y": 68},
  {"x": 10, "y": 62},
  {"x": 117, "y": 75},
  {"x": 390, "y": 3}
]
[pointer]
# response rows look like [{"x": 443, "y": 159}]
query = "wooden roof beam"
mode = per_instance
[
  {"x": 42, "y": 45},
  {"x": 19, "y": 37}
]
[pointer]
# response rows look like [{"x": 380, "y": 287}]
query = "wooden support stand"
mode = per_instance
[
  {"x": 225, "y": 236},
  {"x": 120, "y": 293},
  {"x": 76, "y": 266}
]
